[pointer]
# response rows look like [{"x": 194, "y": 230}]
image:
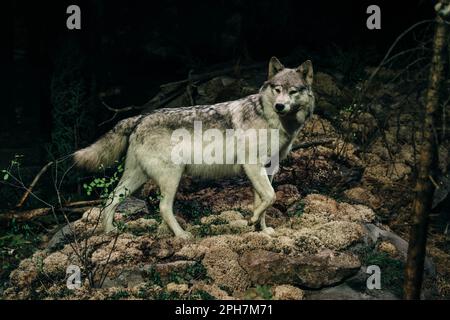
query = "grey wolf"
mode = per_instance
[{"x": 284, "y": 102}]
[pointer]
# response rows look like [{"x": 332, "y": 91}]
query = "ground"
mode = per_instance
[{"x": 341, "y": 206}]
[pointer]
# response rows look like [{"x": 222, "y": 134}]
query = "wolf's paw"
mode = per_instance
[
  {"x": 253, "y": 221},
  {"x": 185, "y": 235},
  {"x": 269, "y": 231}
]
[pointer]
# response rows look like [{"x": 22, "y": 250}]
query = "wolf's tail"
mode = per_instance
[{"x": 108, "y": 148}]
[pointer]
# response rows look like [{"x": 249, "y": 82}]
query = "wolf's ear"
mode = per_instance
[
  {"x": 275, "y": 66},
  {"x": 306, "y": 70}
]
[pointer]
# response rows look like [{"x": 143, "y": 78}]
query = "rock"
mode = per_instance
[
  {"x": 286, "y": 196},
  {"x": 128, "y": 278},
  {"x": 388, "y": 248},
  {"x": 55, "y": 263},
  {"x": 363, "y": 124},
  {"x": 316, "y": 127},
  {"x": 175, "y": 267},
  {"x": 60, "y": 237},
  {"x": 143, "y": 225},
  {"x": 338, "y": 235},
  {"x": 344, "y": 292},
  {"x": 222, "y": 266},
  {"x": 307, "y": 242},
  {"x": 375, "y": 233},
  {"x": 287, "y": 292},
  {"x": 222, "y": 218},
  {"x": 386, "y": 173},
  {"x": 124, "y": 248},
  {"x": 212, "y": 290},
  {"x": 327, "y": 85},
  {"x": 312, "y": 271},
  {"x": 320, "y": 209},
  {"x": 192, "y": 252},
  {"x": 234, "y": 227},
  {"x": 363, "y": 196},
  {"x": 177, "y": 288},
  {"x": 131, "y": 206}
]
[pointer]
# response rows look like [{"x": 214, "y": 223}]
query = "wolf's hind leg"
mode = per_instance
[
  {"x": 132, "y": 178},
  {"x": 168, "y": 181},
  {"x": 263, "y": 188}
]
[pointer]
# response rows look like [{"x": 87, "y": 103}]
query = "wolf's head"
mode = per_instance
[{"x": 289, "y": 91}]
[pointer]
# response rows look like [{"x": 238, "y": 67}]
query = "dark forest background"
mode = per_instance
[{"x": 54, "y": 79}]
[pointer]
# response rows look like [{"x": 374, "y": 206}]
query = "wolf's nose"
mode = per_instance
[{"x": 279, "y": 107}]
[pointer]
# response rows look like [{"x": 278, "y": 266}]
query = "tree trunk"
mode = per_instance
[{"x": 424, "y": 188}]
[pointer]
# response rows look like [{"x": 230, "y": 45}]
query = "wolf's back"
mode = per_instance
[{"x": 108, "y": 148}]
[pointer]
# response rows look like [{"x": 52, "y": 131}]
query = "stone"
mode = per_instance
[
  {"x": 287, "y": 292},
  {"x": 312, "y": 271},
  {"x": 344, "y": 292},
  {"x": 177, "y": 288},
  {"x": 388, "y": 248},
  {"x": 363, "y": 196}
]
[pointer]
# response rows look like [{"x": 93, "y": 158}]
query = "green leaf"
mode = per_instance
[{"x": 6, "y": 176}]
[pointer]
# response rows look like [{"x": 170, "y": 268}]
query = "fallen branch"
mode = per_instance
[
  {"x": 88, "y": 203},
  {"x": 32, "y": 185},
  {"x": 27, "y": 215}
]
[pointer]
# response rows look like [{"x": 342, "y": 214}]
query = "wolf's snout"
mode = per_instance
[{"x": 279, "y": 107}]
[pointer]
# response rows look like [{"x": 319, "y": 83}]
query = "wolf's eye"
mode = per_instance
[
  {"x": 292, "y": 92},
  {"x": 277, "y": 90}
]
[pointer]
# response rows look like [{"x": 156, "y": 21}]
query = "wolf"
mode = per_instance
[{"x": 284, "y": 102}]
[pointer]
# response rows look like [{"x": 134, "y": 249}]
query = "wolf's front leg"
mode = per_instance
[
  {"x": 264, "y": 191},
  {"x": 262, "y": 219}
]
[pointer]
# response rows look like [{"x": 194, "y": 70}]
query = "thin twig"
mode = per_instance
[{"x": 33, "y": 184}]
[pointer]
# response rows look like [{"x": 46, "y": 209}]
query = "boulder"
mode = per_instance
[
  {"x": 287, "y": 292},
  {"x": 312, "y": 271}
]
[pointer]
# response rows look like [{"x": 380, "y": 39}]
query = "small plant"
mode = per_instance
[
  {"x": 201, "y": 295},
  {"x": 297, "y": 210},
  {"x": 104, "y": 185},
  {"x": 265, "y": 292},
  {"x": 154, "y": 277},
  {"x": 121, "y": 294}
]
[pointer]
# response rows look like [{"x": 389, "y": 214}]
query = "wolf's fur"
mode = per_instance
[{"x": 284, "y": 102}]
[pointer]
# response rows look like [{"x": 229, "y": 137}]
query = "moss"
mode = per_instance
[
  {"x": 193, "y": 272},
  {"x": 201, "y": 295},
  {"x": 121, "y": 294},
  {"x": 392, "y": 270},
  {"x": 194, "y": 211},
  {"x": 164, "y": 295},
  {"x": 259, "y": 292},
  {"x": 298, "y": 210},
  {"x": 153, "y": 276}
]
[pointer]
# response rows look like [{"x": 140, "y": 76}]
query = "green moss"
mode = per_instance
[
  {"x": 298, "y": 209},
  {"x": 153, "y": 276},
  {"x": 194, "y": 211},
  {"x": 201, "y": 295},
  {"x": 392, "y": 270},
  {"x": 121, "y": 294}
]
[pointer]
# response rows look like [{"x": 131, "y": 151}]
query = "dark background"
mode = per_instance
[{"x": 126, "y": 49}]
